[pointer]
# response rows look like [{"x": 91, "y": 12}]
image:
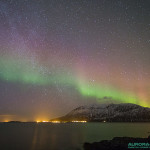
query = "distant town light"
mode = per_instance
[
  {"x": 44, "y": 121},
  {"x": 55, "y": 121},
  {"x": 41, "y": 121},
  {"x": 79, "y": 121}
]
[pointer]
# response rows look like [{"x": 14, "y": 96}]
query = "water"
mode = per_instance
[{"x": 67, "y": 136}]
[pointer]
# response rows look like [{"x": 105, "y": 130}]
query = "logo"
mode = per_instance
[{"x": 138, "y": 145}]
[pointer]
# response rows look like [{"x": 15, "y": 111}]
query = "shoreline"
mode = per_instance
[{"x": 119, "y": 143}]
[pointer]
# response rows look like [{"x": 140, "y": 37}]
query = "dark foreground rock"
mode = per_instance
[{"x": 119, "y": 143}]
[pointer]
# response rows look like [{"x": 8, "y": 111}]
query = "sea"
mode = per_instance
[{"x": 64, "y": 136}]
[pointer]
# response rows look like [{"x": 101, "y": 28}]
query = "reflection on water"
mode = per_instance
[
  {"x": 65, "y": 136},
  {"x": 35, "y": 136}
]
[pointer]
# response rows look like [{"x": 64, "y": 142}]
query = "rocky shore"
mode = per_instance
[{"x": 119, "y": 143}]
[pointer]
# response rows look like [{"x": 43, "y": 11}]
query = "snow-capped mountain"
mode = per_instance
[{"x": 125, "y": 112}]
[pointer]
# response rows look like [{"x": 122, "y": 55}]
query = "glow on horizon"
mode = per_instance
[
  {"x": 55, "y": 121},
  {"x": 82, "y": 121}
]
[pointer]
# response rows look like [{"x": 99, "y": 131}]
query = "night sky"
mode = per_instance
[{"x": 56, "y": 55}]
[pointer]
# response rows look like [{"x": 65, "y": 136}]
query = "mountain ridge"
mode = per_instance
[{"x": 124, "y": 112}]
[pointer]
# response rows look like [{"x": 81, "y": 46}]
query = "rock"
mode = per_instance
[{"x": 118, "y": 143}]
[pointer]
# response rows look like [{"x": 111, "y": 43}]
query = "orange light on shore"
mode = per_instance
[
  {"x": 45, "y": 121},
  {"x": 79, "y": 121},
  {"x": 55, "y": 121},
  {"x": 41, "y": 121},
  {"x": 6, "y": 121}
]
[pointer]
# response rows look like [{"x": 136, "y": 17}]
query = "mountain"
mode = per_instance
[{"x": 125, "y": 112}]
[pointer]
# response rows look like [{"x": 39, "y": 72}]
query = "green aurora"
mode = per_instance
[{"x": 23, "y": 72}]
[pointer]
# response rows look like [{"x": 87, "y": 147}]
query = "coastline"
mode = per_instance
[{"x": 119, "y": 143}]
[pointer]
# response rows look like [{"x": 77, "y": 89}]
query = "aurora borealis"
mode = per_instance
[{"x": 56, "y": 55}]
